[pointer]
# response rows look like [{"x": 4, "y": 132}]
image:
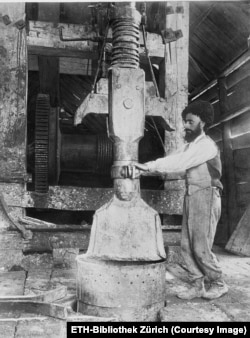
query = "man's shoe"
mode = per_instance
[
  {"x": 197, "y": 290},
  {"x": 217, "y": 289}
]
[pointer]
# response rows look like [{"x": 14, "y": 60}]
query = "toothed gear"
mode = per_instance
[{"x": 42, "y": 143}]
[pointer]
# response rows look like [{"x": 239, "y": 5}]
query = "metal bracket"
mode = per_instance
[
  {"x": 168, "y": 35},
  {"x": 20, "y": 24},
  {"x": 6, "y": 19},
  {"x": 169, "y": 10},
  {"x": 179, "y": 9}
]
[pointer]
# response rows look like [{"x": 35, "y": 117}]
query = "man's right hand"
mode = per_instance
[{"x": 140, "y": 166}]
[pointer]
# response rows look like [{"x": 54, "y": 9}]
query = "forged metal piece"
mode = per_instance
[
  {"x": 126, "y": 228},
  {"x": 42, "y": 143},
  {"x": 123, "y": 272}
]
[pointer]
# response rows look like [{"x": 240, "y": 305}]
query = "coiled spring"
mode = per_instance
[{"x": 125, "y": 52}]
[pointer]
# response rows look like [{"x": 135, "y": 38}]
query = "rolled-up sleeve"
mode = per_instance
[{"x": 196, "y": 153}]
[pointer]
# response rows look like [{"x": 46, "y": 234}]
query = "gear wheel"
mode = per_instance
[{"x": 42, "y": 143}]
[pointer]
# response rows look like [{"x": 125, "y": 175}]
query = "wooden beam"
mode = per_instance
[
  {"x": 43, "y": 39},
  {"x": 238, "y": 75},
  {"x": 67, "y": 65},
  {"x": 230, "y": 187},
  {"x": 176, "y": 73},
  {"x": 241, "y": 142},
  {"x": 62, "y": 52},
  {"x": 49, "y": 78},
  {"x": 244, "y": 58},
  {"x": 198, "y": 67},
  {"x": 47, "y": 241},
  {"x": 41, "y": 33},
  {"x": 13, "y": 88},
  {"x": 80, "y": 199},
  {"x": 174, "y": 84}
]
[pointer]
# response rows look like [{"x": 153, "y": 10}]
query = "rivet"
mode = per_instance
[{"x": 128, "y": 103}]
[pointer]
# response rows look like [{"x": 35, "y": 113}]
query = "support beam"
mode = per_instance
[
  {"x": 49, "y": 78},
  {"x": 43, "y": 39},
  {"x": 176, "y": 73},
  {"x": 242, "y": 60},
  {"x": 67, "y": 65},
  {"x": 13, "y": 89},
  {"x": 230, "y": 188},
  {"x": 80, "y": 199},
  {"x": 46, "y": 34},
  {"x": 176, "y": 81}
]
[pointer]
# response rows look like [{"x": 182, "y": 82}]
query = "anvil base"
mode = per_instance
[{"x": 129, "y": 291}]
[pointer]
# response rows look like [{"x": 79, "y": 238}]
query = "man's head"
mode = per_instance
[{"x": 196, "y": 118}]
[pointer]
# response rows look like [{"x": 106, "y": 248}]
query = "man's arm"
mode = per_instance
[{"x": 196, "y": 154}]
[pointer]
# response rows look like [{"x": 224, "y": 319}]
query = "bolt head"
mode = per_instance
[{"x": 128, "y": 103}]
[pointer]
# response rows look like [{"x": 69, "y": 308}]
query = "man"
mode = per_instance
[{"x": 200, "y": 160}]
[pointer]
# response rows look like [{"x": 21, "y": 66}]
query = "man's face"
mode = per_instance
[{"x": 193, "y": 127}]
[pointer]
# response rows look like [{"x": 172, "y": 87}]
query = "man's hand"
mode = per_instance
[{"x": 141, "y": 167}]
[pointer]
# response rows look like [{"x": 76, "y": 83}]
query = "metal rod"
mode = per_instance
[
  {"x": 149, "y": 61},
  {"x": 100, "y": 58}
]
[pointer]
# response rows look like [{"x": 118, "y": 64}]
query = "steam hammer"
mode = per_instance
[{"x": 123, "y": 272}]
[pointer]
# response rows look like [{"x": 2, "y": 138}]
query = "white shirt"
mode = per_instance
[{"x": 199, "y": 151}]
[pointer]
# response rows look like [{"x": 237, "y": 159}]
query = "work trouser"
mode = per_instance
[{"x": 201, "y": 213}]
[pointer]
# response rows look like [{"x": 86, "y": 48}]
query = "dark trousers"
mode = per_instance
[{"x": 201, "y": 213}]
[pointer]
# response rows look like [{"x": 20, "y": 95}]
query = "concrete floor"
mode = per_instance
[{"x": 44, "y": 272}]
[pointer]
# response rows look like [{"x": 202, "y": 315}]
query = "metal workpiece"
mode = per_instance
[
  {"x": 125, "y": 151},
  {"x": 126, "y": 228},
  {"x": 126, "y": 117},
  {"x": 123, "y": 272},
  {"x": 126, "y": 105},
  {"x": 131, "y": 291}
]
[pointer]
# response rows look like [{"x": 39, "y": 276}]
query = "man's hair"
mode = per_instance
[{"x": 203, "y": 109}]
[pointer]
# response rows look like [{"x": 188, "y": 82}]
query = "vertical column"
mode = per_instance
[
  {"x": 174, "y": 86},
  {"x": 13, "y": 89},
  {"x": 232, "y": 214},
  {"x": 176, "y": 71}
]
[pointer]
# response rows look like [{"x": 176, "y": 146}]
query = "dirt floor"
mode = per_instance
[
  {"x": 39, "y": 273},
  {"x": 234, "y": 306}
]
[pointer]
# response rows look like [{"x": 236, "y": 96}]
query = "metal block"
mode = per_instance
[
  {"x": 126, "y": 89},
  {"x": 126, "y": 231}
]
